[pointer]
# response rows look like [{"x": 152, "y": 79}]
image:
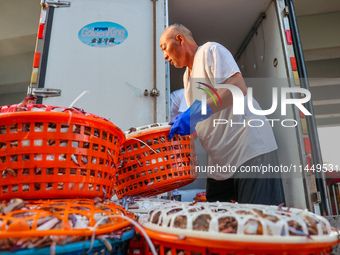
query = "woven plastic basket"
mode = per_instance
[
  {"x": 189, "y": 245},
  {"x": 70, "y": 217},
  {"x": 54, "y": 152},
  {"x": 225, "y": 228},
  {"x": 151, "y": 163}
]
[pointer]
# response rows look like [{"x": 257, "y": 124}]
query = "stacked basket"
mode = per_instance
[
  {"x": 226, "y": 228},
  {"x": 54, "y": 152},
  {"x": 63, "y": 226}
]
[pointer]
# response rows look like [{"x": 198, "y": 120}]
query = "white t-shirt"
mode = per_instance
[
  {"x": 177, "y": 103},
  {"x": 236, "y": 142}
]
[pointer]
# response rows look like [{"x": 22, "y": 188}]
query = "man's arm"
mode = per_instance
[{"x": 225, "y": 94}]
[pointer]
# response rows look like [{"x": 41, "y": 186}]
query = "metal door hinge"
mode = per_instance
[
  {"x": 55, "y": 3},
  {"x": 286, "y": 11},
  {"x": 154, "y": 93},
  {"x": 44, "y": 92}
]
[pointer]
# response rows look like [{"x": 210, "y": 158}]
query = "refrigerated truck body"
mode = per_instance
[{"x": 106, "y": 54}]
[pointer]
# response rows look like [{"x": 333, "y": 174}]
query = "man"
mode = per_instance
[
  {"x": 237, "y": 145},
  {"x": 177, "y": 103}
]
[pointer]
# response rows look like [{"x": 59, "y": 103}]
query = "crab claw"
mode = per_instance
[
  {"x": 74, "y": 159},
  {"x": 14, "y": 204},
  {"x": 299, "y": 233},
  {"x": 280, "y": 207},
  {"x": 10, "y": 172}
]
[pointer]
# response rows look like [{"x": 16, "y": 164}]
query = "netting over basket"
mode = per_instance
[
  {"x": 238, "y": 228},
  {"x": 54, "y": 152},
  {"x": 62, "y": 217},
  {"x": 35, "y": 224},
  {"x": 151, "y": 163}
]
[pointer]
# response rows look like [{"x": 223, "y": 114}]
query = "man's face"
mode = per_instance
[{"x": 171, "y": 49}]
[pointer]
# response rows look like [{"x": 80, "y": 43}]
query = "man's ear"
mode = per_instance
[{"x": 180, "y": 39}]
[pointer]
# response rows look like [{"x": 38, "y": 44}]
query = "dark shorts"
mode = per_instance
[{"x": 253, "y": 188}]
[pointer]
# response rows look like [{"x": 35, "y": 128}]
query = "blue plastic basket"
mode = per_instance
[{"x": 119, "y": 247}]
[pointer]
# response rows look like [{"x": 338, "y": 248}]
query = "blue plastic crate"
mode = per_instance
[{"x": 119, "y": 247}]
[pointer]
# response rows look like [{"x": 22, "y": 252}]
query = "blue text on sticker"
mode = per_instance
[{"x": 102, "y": 34}]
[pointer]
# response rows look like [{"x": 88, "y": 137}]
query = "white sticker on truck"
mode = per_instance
[{"x": 102, "y": 34}]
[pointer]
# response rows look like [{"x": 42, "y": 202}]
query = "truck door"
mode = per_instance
[
  {"x": 279, "y": 63},
  {"x": 105, "y": 51}
]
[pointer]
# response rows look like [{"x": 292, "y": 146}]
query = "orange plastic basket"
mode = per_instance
[
  {"x": 209, "y": 228},
  {"x": 64, "y": 215},
  {"x": 56, "y": 153},
  {"x": 189, "y": 245},
  {"x": 151, "y": 163}
]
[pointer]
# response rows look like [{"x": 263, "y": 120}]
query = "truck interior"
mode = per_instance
[{"x": 254, "y": 32}]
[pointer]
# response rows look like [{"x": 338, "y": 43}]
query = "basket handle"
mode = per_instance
[
  {"x": 122, "y": 165},
  {"x": 144, "y": 143}
]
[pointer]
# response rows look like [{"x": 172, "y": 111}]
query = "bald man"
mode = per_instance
[{"x": 238, "y": 146}]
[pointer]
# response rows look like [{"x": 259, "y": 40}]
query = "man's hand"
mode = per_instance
[{"x": 185, "y": 122}]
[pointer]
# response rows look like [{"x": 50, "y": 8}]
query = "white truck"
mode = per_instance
[{"x": 110, "y": 49}]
